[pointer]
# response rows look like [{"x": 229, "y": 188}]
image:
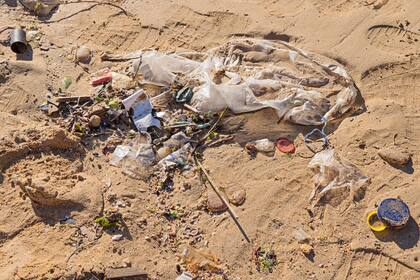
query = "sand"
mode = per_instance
[{"x": 377, "y": 41}]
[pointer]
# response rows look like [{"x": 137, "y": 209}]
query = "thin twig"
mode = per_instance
[
  {"x": 85, "y": 9},
  {"x": 213, "y": 127},
  {"x": 229, "y": 209}
]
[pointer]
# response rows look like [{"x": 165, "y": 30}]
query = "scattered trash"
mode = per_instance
[
  {"x": 125, "y": 273},
  {"x": 196, "y": 260},
  {"x": 141, "y": 111},
  {"x": 336, "y": 179},
  {"x": 102, "y": 77},
  {"x": 185, "y": 276},
  {"x": 68, "y": 220},
  {"x": 184, "y": 95},
  {"x": 117, "y": 237},
  {"x": 301, "y": 236},
  {"x": 395, "y": 157},
  {"x": 177, "y": 141},
  {"x": 18, "y": 41},
  {"x": 265, "y": 260},
  {"x": 374, "y": 222},
  {"x": 214, "y": 203},
  {"x": 83, "y": 54},
  {"x": 393, "y": 212},
  {"x": 178, "y": 158},
  {"x": 284, "y": 145}
]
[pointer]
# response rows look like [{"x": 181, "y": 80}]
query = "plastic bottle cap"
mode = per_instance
[
  {"x": 393, "y": 212},
  {"x": 377, "y": 225},
  {"x": 285, "y": 145}
]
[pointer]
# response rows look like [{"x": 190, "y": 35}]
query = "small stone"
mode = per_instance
[
  {"x": 44, "y": 48},
  {"x": 301, "y": 236},
  {"x": 126, "y": 262},
  {"x": 236, "y": 195},
  {"x": 214, "y": 203},
  {"x": 94, "y": 121},
  {"x": 394, "y": 157},
  {"x": 83, "y": 55},
  {"x": 117, "y": 237},
  {"x": 147, "y": 238},
  {"x": 307, "y": 249},
  {"x": 163, "y": 152}
]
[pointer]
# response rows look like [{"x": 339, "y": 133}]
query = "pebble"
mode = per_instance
[
  {"x": 94, "y": 121},
  {"x": 83, "y": 55},
  {"x": 214, "y": 203},
  {"x": 117, "y": 237},
  {"x": 236, "y": 195},
  {"x": 126, "y": 263},
  {"x": 306, "y": 249},
  {"x": 394, "y": 157},
  {"x": 301, "y": 236}
]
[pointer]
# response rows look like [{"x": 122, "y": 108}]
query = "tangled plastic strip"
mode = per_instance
[{"x": 321, "y": 132}]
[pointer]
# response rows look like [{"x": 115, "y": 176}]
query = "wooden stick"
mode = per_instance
[{"x": 229, "y": 209}]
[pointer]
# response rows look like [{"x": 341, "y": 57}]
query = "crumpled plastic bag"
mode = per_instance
[
  {"x": 336, "y": 179},
  {"x": 177, "y": 158},
  {"x": 135, "y": 159}
]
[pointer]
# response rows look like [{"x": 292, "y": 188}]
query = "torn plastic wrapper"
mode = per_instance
[
  {"x": 336, "y": 179},
  {"x": 142, "y": 111},
  {"x": 177, "y": 158}
]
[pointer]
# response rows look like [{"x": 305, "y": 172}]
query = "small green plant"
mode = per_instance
[
  {"x": 266, "y": 260},
  {"x": 212, "y": 135},
  {"x": 174, "y": 214},
  {"x": 105, "y": 223}
]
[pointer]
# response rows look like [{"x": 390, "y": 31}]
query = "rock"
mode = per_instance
[
  {"x": 83, "y": 55},
  {"x": 94, "y": 121},
  {"x": 214, "y": 203},
  {"x": 307, "y": 249},
  {"x": 236, "y": 195},
  {"x": 394, "y": 157},
  {"x": 301, "y": 236},
  {"x": 117, "y": 237},
  {"x": 126, "y": 262}
]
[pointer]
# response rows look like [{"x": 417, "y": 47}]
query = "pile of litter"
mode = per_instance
[
  {"x": 161, "y": 110},
  {"x": 176, "y": 100}
]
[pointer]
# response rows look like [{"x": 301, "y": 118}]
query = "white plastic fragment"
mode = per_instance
[
  {"x": 142, "y": 111},
  {"x": 336, "y": 179}
]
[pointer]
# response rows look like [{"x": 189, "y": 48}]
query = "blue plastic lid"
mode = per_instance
[{"x": 393, "y": 212}]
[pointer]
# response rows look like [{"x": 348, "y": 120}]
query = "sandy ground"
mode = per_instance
[{"x": 378, "y": 42}]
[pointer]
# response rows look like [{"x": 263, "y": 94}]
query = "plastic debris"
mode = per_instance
[
  {"x": 264, "y": 146},
  {"x": 336, "y": 179},
  {"x": 178, "y": 158},
  {"x": 284, "y": 145},
  {"x": 196, "y": 260},
  {"x": 394, "y": 212},
  {"x": 374, "y": 222},
  {"x": 177, "y": 141},
  {"x": 141, "y": 111},
  {"x": 184, "y": 95}
]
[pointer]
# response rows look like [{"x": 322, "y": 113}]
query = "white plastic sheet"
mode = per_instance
[{"x": 335, "y": 178}]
